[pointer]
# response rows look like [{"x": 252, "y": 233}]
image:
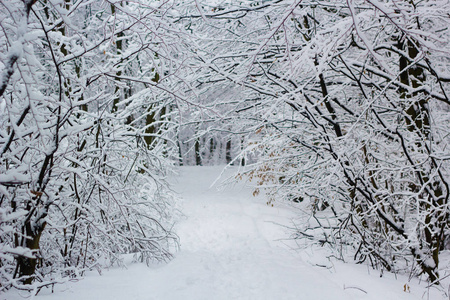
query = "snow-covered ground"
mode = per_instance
[{"x": 231, "y": 249}]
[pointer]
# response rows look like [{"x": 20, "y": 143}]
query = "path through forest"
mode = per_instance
[{"x": 231, "y": 249}]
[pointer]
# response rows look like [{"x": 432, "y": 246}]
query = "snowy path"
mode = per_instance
[{"x": 229, "y": 250}]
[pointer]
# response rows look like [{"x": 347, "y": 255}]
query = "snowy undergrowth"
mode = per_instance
[{"x": 233, "y": 247}]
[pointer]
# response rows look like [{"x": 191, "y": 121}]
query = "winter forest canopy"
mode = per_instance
[{"x": 340, "y": 108}]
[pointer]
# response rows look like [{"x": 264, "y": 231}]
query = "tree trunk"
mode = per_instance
[
  {"x": 228, "y": 152},
  {"x": 198, "y": 158}
]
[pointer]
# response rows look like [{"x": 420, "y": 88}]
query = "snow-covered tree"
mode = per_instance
[
  {"x": 348, "y": 107},
  {"x": 85, "y": 137}
]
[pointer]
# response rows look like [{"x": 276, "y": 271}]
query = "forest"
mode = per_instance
[{"x": 339, "y": 108}]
